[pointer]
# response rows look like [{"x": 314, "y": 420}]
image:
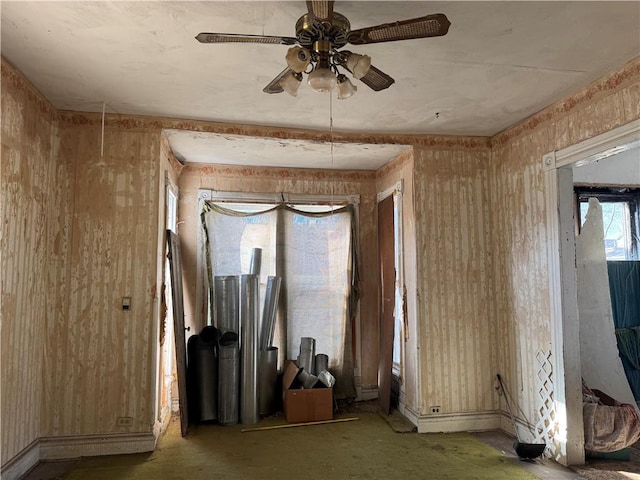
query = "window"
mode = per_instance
[
  {"x": 620, "y": 217},
  {"x": 311, "y": 247}
]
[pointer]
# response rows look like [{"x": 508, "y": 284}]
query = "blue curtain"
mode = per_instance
[{"x": 624, "y": 285}]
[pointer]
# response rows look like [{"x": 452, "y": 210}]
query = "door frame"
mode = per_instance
[
  {"x": 397, "y": 191},
  {"x": 568, "y": 447}
]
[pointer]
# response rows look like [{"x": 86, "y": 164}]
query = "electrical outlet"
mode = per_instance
[
  {"x": 125, "y": 421},
  {"x": 435, "y": 409}
]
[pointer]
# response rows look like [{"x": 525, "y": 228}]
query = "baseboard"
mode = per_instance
[
  {"x": 458, "y": 422},
  {"x": 22, "y": 462},
  {"x": 408, "y": 413},
  {"x": 366, "y": 392},
  {"x": 55, "y": 448}
]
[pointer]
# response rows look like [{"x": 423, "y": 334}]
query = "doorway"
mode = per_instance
[
  {"x": 558, "y": 168},
  {"x": 391, "y": 324}
]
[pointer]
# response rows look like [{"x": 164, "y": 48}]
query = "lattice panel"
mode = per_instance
[{"x": 546, "y": 426}]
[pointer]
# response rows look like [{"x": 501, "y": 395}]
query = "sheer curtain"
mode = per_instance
[{"x": 315, "y": 254}]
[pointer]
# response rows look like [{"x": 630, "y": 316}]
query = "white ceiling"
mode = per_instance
[
  {"x": 202, "y": 147},
  {"x": 620, "y": 169},
  {"x": 499, "y": 63}
]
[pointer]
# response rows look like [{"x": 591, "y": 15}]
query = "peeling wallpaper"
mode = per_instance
[
  {"x": 455, "y": 298},
  {"x": 99, "y": 357},
  {"x": 28, "y": 180},
  {"x": 518, "y": 217}
]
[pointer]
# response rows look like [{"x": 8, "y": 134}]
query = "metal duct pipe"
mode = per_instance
[
  {"x": 207, "y": 373},
  {"x": 308, "y": 380},
  {"x": 270, "y": 311},
  {"x": 307, "y": 353},
  {"x": 228, "y": 379},
  {"x": 249, "y": 299},
  {"x": 256, "y": 261},
  {"x": 267, "y": 380},
  {"x": 322, "y": 363},
  {"x": 228, "y": 323},
  {"x": 226, "y": 290}
]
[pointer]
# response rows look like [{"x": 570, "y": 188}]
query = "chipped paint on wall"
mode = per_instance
[
  {"x": 454, "y": 285},
  {"x": 104, "y": 367},
  {"x": 518, "y": 218},
  {"x": 28, "y": 180}
]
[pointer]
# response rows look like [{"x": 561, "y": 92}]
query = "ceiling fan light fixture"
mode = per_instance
[
  {"x": 291, "y": 82},
  {"x": 359, "y": 65},
  {"x": 322, "y": 80},
  {"x": 298, "y": 59},
  {"x": 345, "y": 87}
]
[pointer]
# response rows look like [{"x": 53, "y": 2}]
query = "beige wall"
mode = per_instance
[
  {"x": 79, "y": 233},
  {"x": 98, "y": 363},
  {"x": 455, "y": 294},
  {"x": 28, "y": 183}
]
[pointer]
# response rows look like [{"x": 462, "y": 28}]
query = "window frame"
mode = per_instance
[
  {"x": 220, "y": 196},
  {"x": 629, "y": 195}
]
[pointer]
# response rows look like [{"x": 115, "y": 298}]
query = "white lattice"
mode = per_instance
[{"x": 546, "y": 426}]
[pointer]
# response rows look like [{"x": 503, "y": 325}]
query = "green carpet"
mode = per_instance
[{"x": 363, "y": 449}]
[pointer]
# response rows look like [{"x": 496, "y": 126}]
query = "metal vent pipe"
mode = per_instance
[
  {"x": 270, "y": 312},
  {"x": 228, "y": 379},
  {"x": 256, "y": 261},
  {"x": 249, "y": 300},
  {"x": 226, "y": 290}
]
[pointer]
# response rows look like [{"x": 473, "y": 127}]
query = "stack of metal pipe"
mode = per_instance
[
  {"x": 247, "y": 359},
  {"x": 315, "y": 368}
]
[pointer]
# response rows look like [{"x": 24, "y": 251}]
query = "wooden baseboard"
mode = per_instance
[
  {"x": 74, "y": 446},
  {"x": 458, "y": 422},
  {"x": 408, "y": 413},
  {"x": 22, "y": 462}
]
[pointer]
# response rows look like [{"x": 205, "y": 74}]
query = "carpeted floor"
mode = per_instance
[{"x": 362, "y": 449}]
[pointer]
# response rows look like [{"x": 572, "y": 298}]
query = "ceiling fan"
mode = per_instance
[{"x": 320, "y": 34}]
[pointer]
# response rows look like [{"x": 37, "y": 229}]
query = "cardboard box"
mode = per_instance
[{"x": 305, "y": 405}]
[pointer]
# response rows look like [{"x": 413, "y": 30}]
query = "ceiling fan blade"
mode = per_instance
[
  {"x": 321, "y": 9},
  {"x": 377, "y": 80},
  {"x": 430, "y": 26},
  {"x": 237, "y": 38},
  {"x": 274, "y": 85}
]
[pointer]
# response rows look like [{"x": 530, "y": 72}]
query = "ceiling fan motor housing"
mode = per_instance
[{"x": 309, "y": 29}]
